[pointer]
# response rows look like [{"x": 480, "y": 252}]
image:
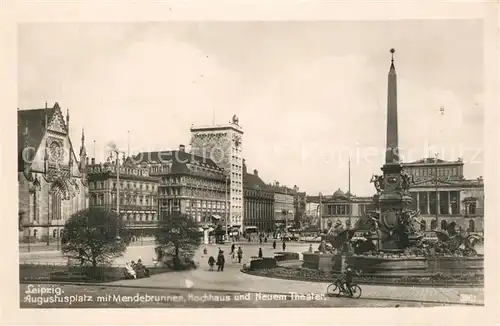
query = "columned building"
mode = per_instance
[
  {"x": 222, "y": 144},
  {"x": 137, "y": 193},
  {"x": 442, "y": 195},
  {"x": 341, "y": 206},
  {"x": 51, "y": 179},
  {"x": 258, "y": 201},
  {"x": 188, "y": 184}
]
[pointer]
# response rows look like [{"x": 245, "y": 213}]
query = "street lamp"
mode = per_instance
[
  {"x": 118, "y": 191},
  {"x": 227, "y": 207}
]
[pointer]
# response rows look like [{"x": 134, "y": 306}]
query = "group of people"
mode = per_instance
[
  {"x": 136, "y": 270},
  {"x": 220, "y": 261}
]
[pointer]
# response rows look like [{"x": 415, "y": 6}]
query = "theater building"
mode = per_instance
[
  {"x": 258, "y": 201},
  {"x": 189, "y": 184},
  {"x": 443, "y": 195},
  {"x": 52, "y": 181},
  {"x": 138, "y": 190}
]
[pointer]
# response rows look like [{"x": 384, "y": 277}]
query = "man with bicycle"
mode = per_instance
[{"x": 347, "y": 278}]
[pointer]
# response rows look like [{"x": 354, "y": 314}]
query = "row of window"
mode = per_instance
[
  {"x": 431, "y": 171},
  {"x": 123, "y": 185}
]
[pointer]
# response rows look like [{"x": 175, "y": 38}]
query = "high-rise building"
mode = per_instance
[
  {"x": 222, "y": 144},
  {"x": 52, "y": 181}
]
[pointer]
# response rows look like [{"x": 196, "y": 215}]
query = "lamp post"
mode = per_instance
[
  {"x": 321, "y": 212},
  {"x": 349, "y": 194},
  {"x": 227, "y": 207},
  {"x": 118, "y": 191}
]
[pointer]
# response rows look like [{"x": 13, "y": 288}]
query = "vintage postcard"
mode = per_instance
[{"x": 252, "y": 163}]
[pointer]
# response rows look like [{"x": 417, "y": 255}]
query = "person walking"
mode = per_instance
[
  {"x": 240, "y": 254},
  {"x": 274, "y": 244},
  {"x": 220, "y": 261},
  {"x": 233, "y": 247},
  {"x": 260, "y": 252},
  {"x": 265, "y": 239},
  {"x": 211, "y": 263},
  {"x": 284, "y": 245},
  {"x": 310, "y": 248},
  {"x": 260, "y": 240}
]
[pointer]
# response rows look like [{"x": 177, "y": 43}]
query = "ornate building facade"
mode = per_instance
[
  {"x": 284, "y": 207},
  {"x": 188, "y": 184},
  {"x": 223, "y": 145},
  {"x": 443, "y": 195},
  {"x": 341, "y": 206},
  {"x": 137, "y": 193},
  {"x": 258, "y": 202},
  {"x": 52, "y": 181}
]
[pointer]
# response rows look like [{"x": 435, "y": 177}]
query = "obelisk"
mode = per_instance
[
  {"x": 393, "y": 200},
  {"x": 392, "y": 149}
]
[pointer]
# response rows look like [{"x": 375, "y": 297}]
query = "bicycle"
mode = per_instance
[{"x": 340, "y": 286}]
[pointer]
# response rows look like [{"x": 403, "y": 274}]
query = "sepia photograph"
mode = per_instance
[{"x": 252, "y": 164}]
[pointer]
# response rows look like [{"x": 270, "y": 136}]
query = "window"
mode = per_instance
[
  {"x": 454, "y": 202},
  {"x": 432, "y": 203},
  {"x": 423, "y": 225},
  {"x": 423, "y": 201},
  {"x": 471, "y": 208},
  {"x": 443, "y": 203}
]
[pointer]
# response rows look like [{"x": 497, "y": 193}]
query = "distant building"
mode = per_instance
[
  {"x": 223, "y": 145},
  {"x": 188, "y": 184},
  {"x": 341, "y": 206},
  {"x": 443, "y": 195},
  {"x": 258, "y": 200},
  {"x": 284, "y": 208},
  {"x": 299, "y": 204},
  {"x": 138, "y": 194},
  {"x": 51, "y": 177}
]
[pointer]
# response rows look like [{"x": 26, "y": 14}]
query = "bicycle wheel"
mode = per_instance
[
  {"x": 330, "y": 290},
  {"x": 356, "y": 291}
]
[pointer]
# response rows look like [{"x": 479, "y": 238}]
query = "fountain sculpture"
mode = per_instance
[{"x": 393, "y": 244}]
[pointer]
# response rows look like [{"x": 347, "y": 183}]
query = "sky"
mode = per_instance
[{"x": 309, "y": 95}]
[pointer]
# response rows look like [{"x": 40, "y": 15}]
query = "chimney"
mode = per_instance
[
  {"x": 92, "y": 161},
  {"x": 182, "y": 148},
  {"x": 256, "y": 172}
]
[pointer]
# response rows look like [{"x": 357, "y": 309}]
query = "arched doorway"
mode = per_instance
[
  {"x": 472, "y": 226},
  {"x": 444, "y": 224},
  {"x": 35, "y": 233},
  {"x": 433, "y": 224}
]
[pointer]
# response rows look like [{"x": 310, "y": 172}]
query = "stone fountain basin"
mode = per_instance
[{"x": 416, "y": 265}]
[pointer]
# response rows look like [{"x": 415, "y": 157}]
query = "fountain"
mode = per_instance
[{"x": 393, "y": 245}]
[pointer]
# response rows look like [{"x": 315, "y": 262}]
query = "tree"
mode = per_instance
[
  {"x": 178, "y": 237},
  {"x": 94, "y": 237}
]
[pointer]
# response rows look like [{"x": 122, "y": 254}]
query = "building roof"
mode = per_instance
[
  {"x": 179, "y": 160},
  {"x": 433, "y": 160},
  {"x": 33, "y": 121},
  {"x": 253, "y": 181}
]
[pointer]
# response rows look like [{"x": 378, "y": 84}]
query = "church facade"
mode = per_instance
[{"x": 52, "y": 181}]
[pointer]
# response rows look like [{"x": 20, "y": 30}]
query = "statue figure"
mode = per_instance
[
  {"x": 378, "y": 181},
  {"x": 452, "y": 240},
  {"x": 235, "y": 120},
  {"x": 406, "y": 181}
]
